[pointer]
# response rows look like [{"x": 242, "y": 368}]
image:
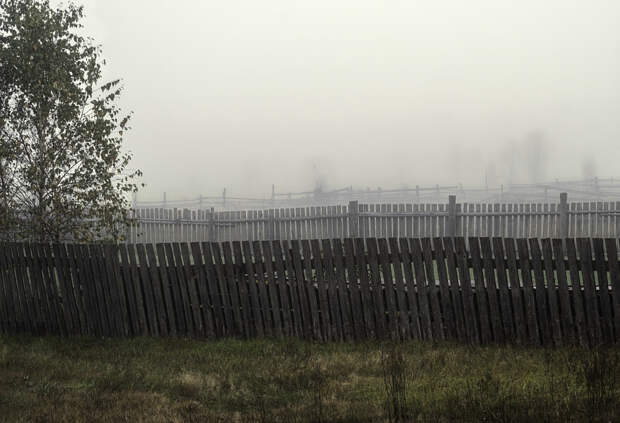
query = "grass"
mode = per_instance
[{"x": 178, "y": 380}]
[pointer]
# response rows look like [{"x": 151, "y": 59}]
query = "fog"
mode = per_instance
[{"x": 246, "y": 94}]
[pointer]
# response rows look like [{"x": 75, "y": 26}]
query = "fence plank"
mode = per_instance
[
  {"x": 589, "y": 292},
  {"x": 304, "y": 305},
  {"x": 549, "y": 332},
  {"x": 272, "y": 289},
  {"x": 433, "y": 289},
  {"x": 403, "y": 313},
  {"x": 253, "y": 289},
  {"x": 566, "y": 313},
  {"x": 388, "y": 288},
  {"x": 607, "y": 329},
  {"x": 344, "y": 291},
  {"x": 232, "y": 286},
  {"x": 333, "y": 294},
  {"x": 495, "y": 311},
  {"x": 176, "y": 259},
  {"x": 466, "y": 291},
  {"x": 422, "y": 289},
  {"x": 580, "y": 319},
  {"x": 174, "y": 282},
  {"x": 516, "y": 292},
  {"x": 311, "y": 295},
  {"x": 481, "y": 291},
  {"x": 457, "y": 303},
  {"x": 412, "y": 301},
  {"x": 321, "y": 282},
  {"x": 614, "y": 274},
  {"x": 164, "y": 269},
  {"x": 552, "y": 293},
  {"x": 283, "y": 288}
]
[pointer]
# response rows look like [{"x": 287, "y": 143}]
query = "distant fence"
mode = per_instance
[
  {"x": 547, "y": 292},
  {"x": 562, "y": 219}
]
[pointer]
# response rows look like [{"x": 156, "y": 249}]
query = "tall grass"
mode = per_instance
[{"x": 178, "y": 380}]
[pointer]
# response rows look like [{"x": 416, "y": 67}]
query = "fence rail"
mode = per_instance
[
  {"x": 561, "y": 219},
  {"x": 524, "y": 291}
]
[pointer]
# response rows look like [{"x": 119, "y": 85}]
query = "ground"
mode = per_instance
[{"x": 178, "y": 380}]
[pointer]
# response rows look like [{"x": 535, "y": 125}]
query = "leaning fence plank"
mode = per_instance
[
  {"x": 481, "y": 291},
  {"x": 272, "y": 289},
  {"x": 283, "y": 288},
  {"x": 377, "y": 287},
  {"x": 495, "y": 311},
  {"x": 166, "y": 287},
  {"x": 175, "y": 278},
  {"x": 302, "y": 294},
  {"x": 603, "y": 291},
  {"x": 422, "y": 289},
  {"x": 433, "y": 289},
  {"x": 344, "y": 299},
  {"x": 253, "y": 289},
  {"x": 160, "y": 308},
  {"x": 548, "y": 326},
  {"x": 148, "y": 291},
  {"x": 554, "y": 293},
  {"x": 355, "y": 294},
  {"x": 467, "y": 293},
  {"x": 589, "y": 292},
  {"x": 614, "y": 274},
  {"x": 566, "y": 313},
  {"x": 311, "y": 294},
  {"x": 516, "y": 292},
  {"x": 534, "y": 332},
  {"x": 412, "y": 300},
  {"x": 182, "y": 285},
  {"x": 388, "y": 288},
  {"x": 242, "y": 281},
  {"x": 223, "y": 288},
  {"x": 321, "y": 282},
  {"x": 233, "y": 287},
  {"x": 403, "y": 313},
  {"x": 296, "y": 323},
  {"x": 444, "y": 289},
  {"x": 577, "y": 290},
  {"x": 457, "y": 303}
]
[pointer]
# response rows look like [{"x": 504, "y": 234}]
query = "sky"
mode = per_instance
[{"x": 245, "y": 94}]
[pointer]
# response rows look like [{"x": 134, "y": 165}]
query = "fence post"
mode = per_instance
[
  {"x": 354, "y": 219},
  {"x": 212, "y": 236},
  {"x": 563, "y": 209},
  {"x": 451, "y": 226}
]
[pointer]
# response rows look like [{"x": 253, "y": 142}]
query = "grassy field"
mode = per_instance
[{"x": 178, "y": 380}]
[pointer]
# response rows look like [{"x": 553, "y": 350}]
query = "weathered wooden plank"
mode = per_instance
[
  {"x": 355, "y": 293},
  {"x": 486, "y": 335},
  {"x": 321, "y": 282},
  {"x": 577, "y": 290},
  {"x": 344, "y": 299},
  {"x": 160, "y": 307},
  {"x": 552, "y": 293},
  {"x": 589, "y": 292},
  {"x": 283, "y": 289},
  {"x": 614, "y": 274},
  {"x": 433, "y": 289},
  {"x": 91, "y": 309},
  {"x": 533, "y": 331},
  {"x": 232, "y": 285},
  {"x": 467, "y": 296},
  {"x": 272, "y": 288},
  {"x": 311, "y": 294},
  {"x": 167, "y": 289},
  {"x": 304, "y": 306},
  {"x": 388, "y": 288},
  {"x": 223, "y": 289},
  {"x": 182, "y": 284},
  {"x": 444, "y": 290},
  {"x": 457, "y": 303},
  {"x": 117, "y": 286},
  {"x": 147, "y": 288},
  {"x": 23, "y": 291},
  {"x": 518, "y": 307},
  {"x": 174, "y": 281},
  {"x": 566, "y": 313},
  {"x": 401, "y": 301},
  {"x": 549, "y": 331},
  {"x": 253, "y": 289},
  {"x": 206, "y": 299},
  {"x": 422, "y": 289},
  {"x": 495, "y": 311},
  {"x": 376, "y": 286},
  {"x": 102, "y": 297},
  {"x": 128, "y": 286},
  {"x": 607, "y": 329},
  {"x": 295, "y": 310},
  {"x": 242, "y": 285}
]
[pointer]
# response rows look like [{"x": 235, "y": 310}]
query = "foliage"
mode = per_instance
[{"x": 62, "y": 172}]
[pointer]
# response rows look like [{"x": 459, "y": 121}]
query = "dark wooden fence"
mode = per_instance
[{"x": 524, "y": 291}]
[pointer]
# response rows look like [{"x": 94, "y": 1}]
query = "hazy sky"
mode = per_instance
[{"x": 243, "y": 94}]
